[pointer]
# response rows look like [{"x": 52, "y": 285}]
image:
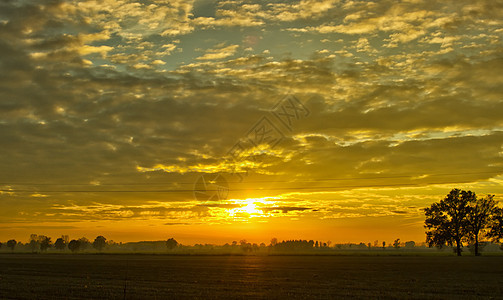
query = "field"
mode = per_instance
[{"x": 32, "y": 276}]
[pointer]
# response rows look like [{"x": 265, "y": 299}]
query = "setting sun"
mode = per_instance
[{"x": 252, "y": 207}]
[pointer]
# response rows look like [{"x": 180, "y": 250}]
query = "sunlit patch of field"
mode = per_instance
[{"x": 26, "y": 276}]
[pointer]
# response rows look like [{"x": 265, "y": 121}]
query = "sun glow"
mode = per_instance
[{"x": 250, "y": 208}]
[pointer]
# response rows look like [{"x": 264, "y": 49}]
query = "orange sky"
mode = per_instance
[{"x": 327, "y": 120}]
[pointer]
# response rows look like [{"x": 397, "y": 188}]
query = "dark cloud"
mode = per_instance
[{"x": 284, "y": 209}]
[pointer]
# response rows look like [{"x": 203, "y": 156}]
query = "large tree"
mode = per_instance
[
  {"x": 496, "y": 232},
  {"x": 446, "y": 221},
  {"x": 84, "y": 243},
  {"x": 11, "y": 244},
  {"x": 99, "y": 242},
  {"x": 171, "y": 244},
  {"x": 479, "y": 218},
  {"x": 74, "y": 245},
  {"x": 45, "y": 242},
  {"x": 34, "y": 243},
  {"x": 60, "y": 244}
]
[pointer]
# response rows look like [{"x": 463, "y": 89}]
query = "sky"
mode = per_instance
[{"x": 213, "y": 121}]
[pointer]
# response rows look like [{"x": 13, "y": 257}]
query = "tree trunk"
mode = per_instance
[
  {"x": 458, "y": 247},
  {"x": 477, "y": 245}
]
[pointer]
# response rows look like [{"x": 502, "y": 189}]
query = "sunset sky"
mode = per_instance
[{"x": 326, "y": 120}]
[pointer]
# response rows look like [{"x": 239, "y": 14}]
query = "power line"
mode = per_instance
[
  {"x": 252, "y": 181},
  {"x": 239, "y": 189}
]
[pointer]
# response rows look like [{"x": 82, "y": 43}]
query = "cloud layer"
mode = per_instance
[{"x": 112, "y": 110}]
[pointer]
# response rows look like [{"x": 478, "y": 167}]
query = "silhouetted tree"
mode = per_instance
[
  {"x": 99, "y": 243},
  {"x": 396, "y": 244},
  {"x": 60, "y": 244},
  {"x": 34, "y": 243},
  {"x": 171, "y": 244},
  {"x": 479, "y": 218},
  {"x": 11, "y": 244},
  {"x": 410, "y": 244},
  {"x": 383, "y": 245},
  {"x": 84, "y": 243},
  {"x": 295, "y": 245},
  {"x": 245, "y": 246},
  {"x": 446, "y": 221},
  {"x": 274, "y": 241},
  {"x": 496, "y": 232},
  {"x": 74, "y": 245},
  {"x": 45, "y": 242}
]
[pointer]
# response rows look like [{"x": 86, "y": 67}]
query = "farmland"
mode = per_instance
[{"x": 49, "y": 276}]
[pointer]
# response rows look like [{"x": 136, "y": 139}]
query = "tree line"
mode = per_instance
[
  {"x": 42, "y": 243},
  {"x": 461, "y": 217}
]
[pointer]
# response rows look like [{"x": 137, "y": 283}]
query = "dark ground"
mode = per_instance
[{"x": 49, "y": 276}]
